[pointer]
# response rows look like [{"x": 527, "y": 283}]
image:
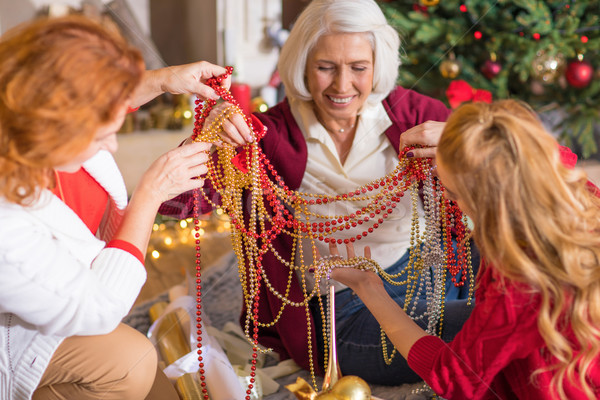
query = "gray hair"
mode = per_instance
[{"x": 323, "y": 17}]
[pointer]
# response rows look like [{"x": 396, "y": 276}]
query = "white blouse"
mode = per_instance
[{"x": 371, "y": 156}]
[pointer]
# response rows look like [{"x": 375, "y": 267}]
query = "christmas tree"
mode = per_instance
[{"x": 541, "y": 52}]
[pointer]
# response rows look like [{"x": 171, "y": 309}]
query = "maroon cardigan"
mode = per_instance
[{"x": 284, "y": 145}]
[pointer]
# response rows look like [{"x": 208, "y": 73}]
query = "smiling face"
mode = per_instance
[
  {"x": 339, "y": 75},
  {"x": 105, "y": 139}
]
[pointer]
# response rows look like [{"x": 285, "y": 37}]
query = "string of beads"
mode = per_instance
[{"x": 273, "y": 209}]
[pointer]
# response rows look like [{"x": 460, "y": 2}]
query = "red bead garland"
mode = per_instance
[{"x": 390, "y": 190}]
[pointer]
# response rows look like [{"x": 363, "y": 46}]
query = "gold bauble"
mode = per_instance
[
  {"x": 327, "y": 396},
  {"x": 546, "y": 67},
  {"x": 351, "y": 388},
  {"x": 430, "y": 3},
  {"x": 449, "y": 69}
]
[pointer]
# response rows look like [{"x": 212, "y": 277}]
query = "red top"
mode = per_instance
[
  {"x": 88, "y": 199},
  {"x": 494, "y": 354},
  {"x": 84, "y": 196}
]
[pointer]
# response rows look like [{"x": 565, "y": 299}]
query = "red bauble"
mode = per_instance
[
  {"x": 579, "y": 74},
  {"x": 490, "y": 68},
  {"x": 420, "y": 9}
]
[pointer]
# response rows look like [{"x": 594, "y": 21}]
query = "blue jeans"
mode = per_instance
[{"x": 358, "y": 333}]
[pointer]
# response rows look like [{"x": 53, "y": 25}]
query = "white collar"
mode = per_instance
[
  {"x": 373, "y": 118},
  {"x": 103, "y": 168}
]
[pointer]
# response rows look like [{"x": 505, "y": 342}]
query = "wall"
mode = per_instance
[
  {"x": 225, "y": 32},
  {"x": 13, "y": 12}
]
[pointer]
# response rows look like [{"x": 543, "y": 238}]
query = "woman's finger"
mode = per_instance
[
  {"x": 423, "y": 152},
  {"x": 333, "y": 249},
  {"x": 231, "y": 134},
  {"x": 350, "y": 250},
  {"x": 367, "y": 252},
  {"x": 242, "y": 128}
]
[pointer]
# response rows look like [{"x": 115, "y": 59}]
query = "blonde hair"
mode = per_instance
[
  {"x": 322, "y": 17},
  {"x": 536, "y": 221},
  {"x": 60, "y": 80}
]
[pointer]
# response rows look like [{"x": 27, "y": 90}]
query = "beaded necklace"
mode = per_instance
[{"x": 274, "y": 209}]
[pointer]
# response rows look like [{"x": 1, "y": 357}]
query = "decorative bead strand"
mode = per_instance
[{"x": 277, "y": 210}]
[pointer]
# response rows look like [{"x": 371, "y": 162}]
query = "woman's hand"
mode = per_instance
[
  {"x": 426, "y": 135},
  {"x": 179, "y": 79},
  {"x": 175, "y": 172},
  {"x": 361, "y": 281},
  {"x": 402, "y": 331},
  {"x": 234, "y": 130}
]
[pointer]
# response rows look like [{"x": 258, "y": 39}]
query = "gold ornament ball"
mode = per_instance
[
  {"x": 327, "y": 396},
  {"x": 547, "y": 68},
  {"x": 351, "y": 388},
  {"x": 430, "y": 3},
  {"x": 449, "y": 69}
]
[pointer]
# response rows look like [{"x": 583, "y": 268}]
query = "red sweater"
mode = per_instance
[
  {"x": 496, "y": 351},
  {"x": 87, "y": 198}
]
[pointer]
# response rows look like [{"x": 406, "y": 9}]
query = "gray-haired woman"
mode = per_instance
[{"x": 342, "y": 124}]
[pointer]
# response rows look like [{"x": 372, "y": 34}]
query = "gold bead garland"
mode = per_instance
[{"x": 252, "y": 238}]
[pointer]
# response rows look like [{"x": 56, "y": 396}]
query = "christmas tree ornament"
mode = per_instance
[
  {"x": 491, "y": 67},
  {"x": 460, "y": 91},
  {"x": 349, "y": 388},
  {"x": 421, "y": 9},
  {"x": 547, "y": 67},
  {"x": 579, "y": 73},
  {"x": 450, "y": 68},
  {"x": 429, "y": 3}
]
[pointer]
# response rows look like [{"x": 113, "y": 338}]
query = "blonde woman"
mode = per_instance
[{"x": 535, "y": 330}]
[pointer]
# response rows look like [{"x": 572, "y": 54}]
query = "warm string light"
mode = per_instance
[{"x": 233, "y": 173}]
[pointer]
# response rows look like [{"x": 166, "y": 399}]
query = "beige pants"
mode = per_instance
[{"x": 121, "y": 365}]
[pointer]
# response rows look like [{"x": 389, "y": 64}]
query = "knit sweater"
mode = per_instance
[
  {"x": 496, "y": 351},
  {"x": 285, "y": 147},
  {"x": 58, "y": 280}
]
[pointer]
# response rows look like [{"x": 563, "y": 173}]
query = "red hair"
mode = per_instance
[{"x": 60, "y": 80}]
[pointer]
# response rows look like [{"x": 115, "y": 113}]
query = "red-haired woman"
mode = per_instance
[{"x": 71, "y": 247}]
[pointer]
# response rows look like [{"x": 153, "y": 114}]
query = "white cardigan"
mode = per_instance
[{"x": 58, "y": 280}]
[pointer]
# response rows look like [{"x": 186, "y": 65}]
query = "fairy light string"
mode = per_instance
[{"x": 274, "y": 209}]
